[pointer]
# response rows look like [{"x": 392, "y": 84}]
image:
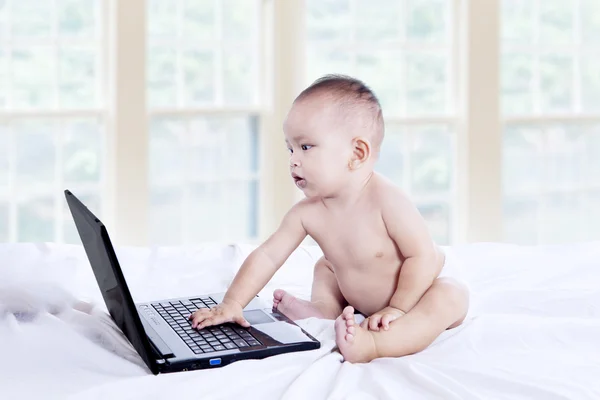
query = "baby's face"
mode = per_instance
[{"x": 319, "y": 151}]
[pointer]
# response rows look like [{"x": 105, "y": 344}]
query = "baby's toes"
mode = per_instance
[{"x": 351, "y": 330}]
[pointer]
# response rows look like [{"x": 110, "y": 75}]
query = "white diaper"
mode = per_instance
[{"x": 453, "y": 267}]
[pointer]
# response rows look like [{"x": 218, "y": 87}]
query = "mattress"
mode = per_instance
[{"x": 533, "y": 331}]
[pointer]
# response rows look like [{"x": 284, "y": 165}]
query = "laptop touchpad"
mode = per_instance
[{"x": 257, "y": 317}]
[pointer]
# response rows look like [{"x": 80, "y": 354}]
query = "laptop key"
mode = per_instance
[
  {"x": 241, "y": 343},
  {"x": 219, "y": 347},
  {"x": 253, "y": 343},
  {"x": 230, "y": 345},
  {"x": 198, "y": 351}
]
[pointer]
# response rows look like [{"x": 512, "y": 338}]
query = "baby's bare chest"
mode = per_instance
[{"x": 356, "y": 243}]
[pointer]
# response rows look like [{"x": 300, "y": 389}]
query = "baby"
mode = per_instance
[{"x": 379, "y": 258}]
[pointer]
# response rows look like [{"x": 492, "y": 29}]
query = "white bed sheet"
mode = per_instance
[{"x": 533, "y": 332}]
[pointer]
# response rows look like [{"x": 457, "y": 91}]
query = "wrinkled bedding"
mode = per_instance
[{"x": 533, "y": 330}]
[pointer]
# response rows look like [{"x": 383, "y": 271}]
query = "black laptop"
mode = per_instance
[{"x": 160, "y": 330}]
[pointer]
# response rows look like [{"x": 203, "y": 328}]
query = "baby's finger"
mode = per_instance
[
  {"x": 385, "y": 321},
  {"x": 242, "y": 321},
  {"x": 198, "y": 317},
  {"x": 207, "y": 322},
  {"x": 374, "y": 322}
]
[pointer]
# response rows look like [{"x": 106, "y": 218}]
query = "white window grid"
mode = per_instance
[
  {"x": 184, "y": 114},
  {"x": 543, "y": 120},
  {"x": 55, "y": 113},
  {"x": 401, "y": 118}
]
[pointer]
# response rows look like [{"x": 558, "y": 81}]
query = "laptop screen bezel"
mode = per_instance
[{"x": 82, "y": 215}]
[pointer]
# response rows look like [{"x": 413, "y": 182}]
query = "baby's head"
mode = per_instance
[{"x": 333, "y": 131}]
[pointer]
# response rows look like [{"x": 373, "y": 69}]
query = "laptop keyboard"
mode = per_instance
[{"x": 206, "y": 340}]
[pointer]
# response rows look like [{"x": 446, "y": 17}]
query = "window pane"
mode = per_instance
[
  {"x": 35, "y": 154},
  {"x": 591, "y": 215},
  {"x": 77, "y": 78},
  {"x": 3, "y": 20},
  {"x": 590, "y": 21},
  {"x": 198, "y": 20},
  {"x": 379, "y": 20},
  {"x": 522, "y": 159},
  {"x": 427, "y": 20},
  {"x": 556, "y": 21},
  {"x": 82, "y": 152},
  {"x": 322, "y": 61},
  {"x": 382, "y": 71},
  {"x": 517, "y": 21},
  {"x": 3, "y": 77},
  {"x": 328, "y": 20},
  {"x": 521, "y": 219},
  {"x": 426, "y": 84},
  {"x": 30, "y": 18},
  {"x": 238, "y": 22},
  {"x": 76, "y": 18},
  {"x": 165, "y": 215},
  {"x": 556, "y": 79},
  {"x": 3, "y": 221},
  {"x": 590, "y": 83},
  {"x": 592, "y": 146},
  {"x": 393, "y": 154},
  {"x": 517, "y": 83},
  {"x": 222, "y": 147},
  {"x": 205, "y": 221},
  {"x": 431, "y": 160},
  {"x": 35, "y": 220},
  {"x": 4, "y": 143},
  {"x": 198, "y": 77},
  {"x": 162, "y": 18},
  {"x": 564, "y": 158},
  {"x": 238, "y": 71},
  {"x": 161, "y": 76},
  {"x": 168, "y": 139},
  {"x": 33, "y": 77},
  {"x": 561, "y": 220},
  {"x": 210, "y": 163},
  {"x": 438, "y": 221}
]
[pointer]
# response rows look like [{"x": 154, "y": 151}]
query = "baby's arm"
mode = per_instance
[
  {"x": 256, "y": 270},
  {"x": 407, "y": 228},
  {"x": 260, "y": 266}
]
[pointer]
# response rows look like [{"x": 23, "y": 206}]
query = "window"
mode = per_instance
[
  {"x": 403, "y": 50},
  {"x": 51, "y": 115},
  {"x": 551, "y": 108},
  {"x": 204, "y": 102}
]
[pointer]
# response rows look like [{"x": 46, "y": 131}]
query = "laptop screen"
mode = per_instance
[{"x": 109, "y": 276}]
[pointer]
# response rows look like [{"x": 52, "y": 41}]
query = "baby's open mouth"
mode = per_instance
[{"x": 299, "y": 181}]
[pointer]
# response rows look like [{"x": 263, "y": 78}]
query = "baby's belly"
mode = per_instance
[{"x": 366, "y": 293}]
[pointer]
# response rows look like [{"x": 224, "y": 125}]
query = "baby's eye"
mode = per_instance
[
  {"x": 306, "y": 146},
  {"x": 290, "y": 150}
]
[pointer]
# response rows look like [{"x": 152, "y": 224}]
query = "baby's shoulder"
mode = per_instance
[
  {"x": 307, "y": 206},
  {"x": 386, "y": 192}
]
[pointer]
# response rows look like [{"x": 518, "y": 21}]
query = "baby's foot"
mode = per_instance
[
  {"x": 356, "y": 344},
  {"x": 294, "y": 308}
]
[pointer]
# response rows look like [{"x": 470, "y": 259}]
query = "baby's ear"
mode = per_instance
[{"x": 361, "y": 152}]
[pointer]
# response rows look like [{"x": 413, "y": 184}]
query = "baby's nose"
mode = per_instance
[{"x": 294, "y": 161}]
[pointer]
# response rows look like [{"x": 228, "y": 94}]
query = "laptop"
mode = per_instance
[{"x": 160, "y": 330}]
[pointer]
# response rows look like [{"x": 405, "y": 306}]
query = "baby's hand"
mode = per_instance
[
  {"x": 382, "y": 318},
  {"x": 227, "y": 311}
]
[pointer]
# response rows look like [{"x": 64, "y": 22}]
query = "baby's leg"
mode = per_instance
[
  {"x": 326, "y": 302},
  {"x": 443, "y": 306}
]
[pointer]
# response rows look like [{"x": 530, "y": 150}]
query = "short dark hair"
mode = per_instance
[{"x": 353, "y": 95}]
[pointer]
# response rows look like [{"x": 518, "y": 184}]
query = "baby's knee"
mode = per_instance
[{"x": 451, "y": 292}]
